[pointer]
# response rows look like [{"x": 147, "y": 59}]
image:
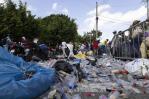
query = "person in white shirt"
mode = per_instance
[
  {"x": 70, "y": 47},
  {"x": 64, "y": 46}
]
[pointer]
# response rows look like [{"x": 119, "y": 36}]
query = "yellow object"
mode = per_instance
[
  {"x": 80, "y": 56},
  {"x": 103, "y": 42}
]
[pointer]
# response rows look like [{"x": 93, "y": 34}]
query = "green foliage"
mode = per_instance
[
  {"x": 90, "y": 36},
  {"x": 58, "y": 28},
  {"x": 17, "y": 21}
]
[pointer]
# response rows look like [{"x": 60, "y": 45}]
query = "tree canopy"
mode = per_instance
[
  {"x": 58, "y": 28},
  {"x": 17, "y": 21},
  {"x": 90, "y": 36}
]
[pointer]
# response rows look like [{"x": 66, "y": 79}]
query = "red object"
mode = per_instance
[
  {"x": 124, "y": 72},
  {"x": 121, "y": 72},
  {"x": 95, "y": 45},
  {"x": 89, "y": 94}
]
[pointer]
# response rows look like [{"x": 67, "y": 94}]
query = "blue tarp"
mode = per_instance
[{"x": 13, "y": 81}]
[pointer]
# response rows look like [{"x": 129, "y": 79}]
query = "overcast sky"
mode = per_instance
[{"x": 113, "y": 14}]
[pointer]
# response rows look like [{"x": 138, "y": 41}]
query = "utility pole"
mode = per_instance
[
  {"x": 90, "y": 35},
  {"x": 147, "y": 7},
  {"x": 96, "y": 20}
]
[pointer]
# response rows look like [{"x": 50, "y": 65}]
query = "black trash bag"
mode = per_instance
[
  {"x": 80, "y": 73},
  {"x": 92, "y": 62},
  {"x": 64, "y": 66}
]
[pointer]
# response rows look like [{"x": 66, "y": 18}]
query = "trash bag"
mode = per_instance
[
  {"x": 64, "y": 66},
  {"x": 22, "y": 80},
  {"x": 138, "y": 67},
  {"x": 92, "y": 60}
]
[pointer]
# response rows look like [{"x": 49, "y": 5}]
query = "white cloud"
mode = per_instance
[
  {"x": 31, "y": 8},
  {"x": 65, "y": 11},
  {"x": 100, "y": 9},
  {"x": 110, "y": 21},
  {"x": 54, "y": 6},
  {"x": 58, "y": 9}
]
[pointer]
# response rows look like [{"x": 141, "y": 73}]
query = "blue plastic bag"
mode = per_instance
[{"x": 14, "y": 83}]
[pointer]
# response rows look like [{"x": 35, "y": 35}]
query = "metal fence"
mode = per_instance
[{"x": 127, "y": 44}]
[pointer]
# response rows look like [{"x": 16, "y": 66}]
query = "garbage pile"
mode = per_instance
[
  {"x": 107, "y": 79},
  {"x": 86, "y": 77}
]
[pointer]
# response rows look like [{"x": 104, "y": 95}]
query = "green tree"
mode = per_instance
[
  {"x": 8, "y": 18},
  {"x": 27, "y": 24},
  {"x": 17, "y": 21},
  {"x": 58, "y": 28},
  {"x": 90, "y": 36},
  {"x": 2, "y": 24}
]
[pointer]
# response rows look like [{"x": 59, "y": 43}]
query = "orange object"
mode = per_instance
[{"x": 120, "y": 72}]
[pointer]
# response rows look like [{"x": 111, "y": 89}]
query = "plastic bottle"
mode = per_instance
[
  {"x": 71, "y": 82},
  {"x": 114, "y": 95},
  {"x": 77, "y": 96}
]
